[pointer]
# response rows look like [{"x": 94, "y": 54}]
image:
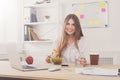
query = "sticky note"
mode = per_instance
[
  {"x": 82, "y": 16},
  {"x": 81, "y": 21},
  {"x": 103, "y": 9},
  {"x": 102, "y": 4},
  {"x": 96, "y": 22},
  {"x": 90, "y": 22},
  {"x": 82, "y": 6},
  {"x": 77, "y": 13}
]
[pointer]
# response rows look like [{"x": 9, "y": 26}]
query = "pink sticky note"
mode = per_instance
[
  {"x": 103, "y": 9},
  {"x": 81, "y": 16}
]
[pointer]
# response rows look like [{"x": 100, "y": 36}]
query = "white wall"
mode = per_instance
[{"x": 8, "y": 20}]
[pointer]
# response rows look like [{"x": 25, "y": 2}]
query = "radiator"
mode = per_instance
[{"x": 106, "y": 60}]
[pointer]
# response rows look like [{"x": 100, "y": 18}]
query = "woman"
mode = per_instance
[{"x": 71, "y": 43}]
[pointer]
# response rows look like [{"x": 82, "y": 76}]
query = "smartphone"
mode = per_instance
[{"x": 65, "y": 65}]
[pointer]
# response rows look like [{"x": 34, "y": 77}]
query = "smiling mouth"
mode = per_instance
[{"x": 70, "y": 30}]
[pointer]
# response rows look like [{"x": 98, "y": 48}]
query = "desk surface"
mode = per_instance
[{"x": 63, "y": 74}]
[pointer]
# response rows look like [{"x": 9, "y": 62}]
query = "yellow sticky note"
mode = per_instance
[
  {"x": 96, "y": 22},
  {"x": 82, "y": 6},
  {"x": 90, "y": 22},
  {"x": 102, "y": 4},
  {"x": 77, "y": 13},
  {"x": 80, "y": 21}
]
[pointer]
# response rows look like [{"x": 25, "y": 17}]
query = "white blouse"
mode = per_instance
[{"x": 71, "y": 52}]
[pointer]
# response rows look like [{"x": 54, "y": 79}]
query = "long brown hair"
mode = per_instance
[{"x": 62, "y": 45}]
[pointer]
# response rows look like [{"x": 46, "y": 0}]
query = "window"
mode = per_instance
[
  {"x": 8, "y": 20},
  {"x": 8, "y": 24}
]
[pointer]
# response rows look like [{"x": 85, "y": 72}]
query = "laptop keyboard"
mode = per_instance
[{"x": 28, "y": 67}]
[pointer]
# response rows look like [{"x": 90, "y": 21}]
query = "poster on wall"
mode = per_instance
[{"x": 93, "y": 14}]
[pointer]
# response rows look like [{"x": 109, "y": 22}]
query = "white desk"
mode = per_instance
[{"x": 63, "y": 74}]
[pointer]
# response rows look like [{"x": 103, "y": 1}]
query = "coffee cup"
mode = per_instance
[{"x": 94, "y": 58}]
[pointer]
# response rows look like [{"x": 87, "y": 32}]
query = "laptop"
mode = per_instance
[{"x": 15, "y": 60}]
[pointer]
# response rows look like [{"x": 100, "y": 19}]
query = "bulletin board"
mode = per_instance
[{"x": 93, "y": 14}]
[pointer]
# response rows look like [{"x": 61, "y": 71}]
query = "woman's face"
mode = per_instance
[{"x": 70, "y": 27}]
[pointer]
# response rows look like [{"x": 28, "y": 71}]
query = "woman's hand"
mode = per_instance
[
  {"x": 83, "y": 62},
  {"x": 48, "y": 59}
]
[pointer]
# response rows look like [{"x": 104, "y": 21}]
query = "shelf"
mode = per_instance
[
  {"x": 41, "y": 41},
  {"x": 38, "y": 23},
  {"x": 35, "y": 17},
  {"x": 53, "y": 4}
]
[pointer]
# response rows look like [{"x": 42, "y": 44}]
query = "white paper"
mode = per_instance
[{"x": 97, "y": 71}]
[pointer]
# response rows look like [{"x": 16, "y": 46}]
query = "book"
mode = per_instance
[
  {"x": 27, "y": 12},
  {"x": 97, "y": 71},
  {"x": 33, "y": 18},
  {"x": 26, "y": 33},
  {"x": 33, "y": 15},
  {"x": 34, "y": 35},
  {"x": 29, "y": 34}
]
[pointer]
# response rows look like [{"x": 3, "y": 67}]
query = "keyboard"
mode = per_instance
[{"x": 28, "y": 67}]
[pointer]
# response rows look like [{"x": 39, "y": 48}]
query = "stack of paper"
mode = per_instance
[{"x": 97, "y": 71}]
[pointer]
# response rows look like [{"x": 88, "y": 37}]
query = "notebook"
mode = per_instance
[
  {"x": 97, "y": 71},
  {"x": 15, "y": 61}
]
